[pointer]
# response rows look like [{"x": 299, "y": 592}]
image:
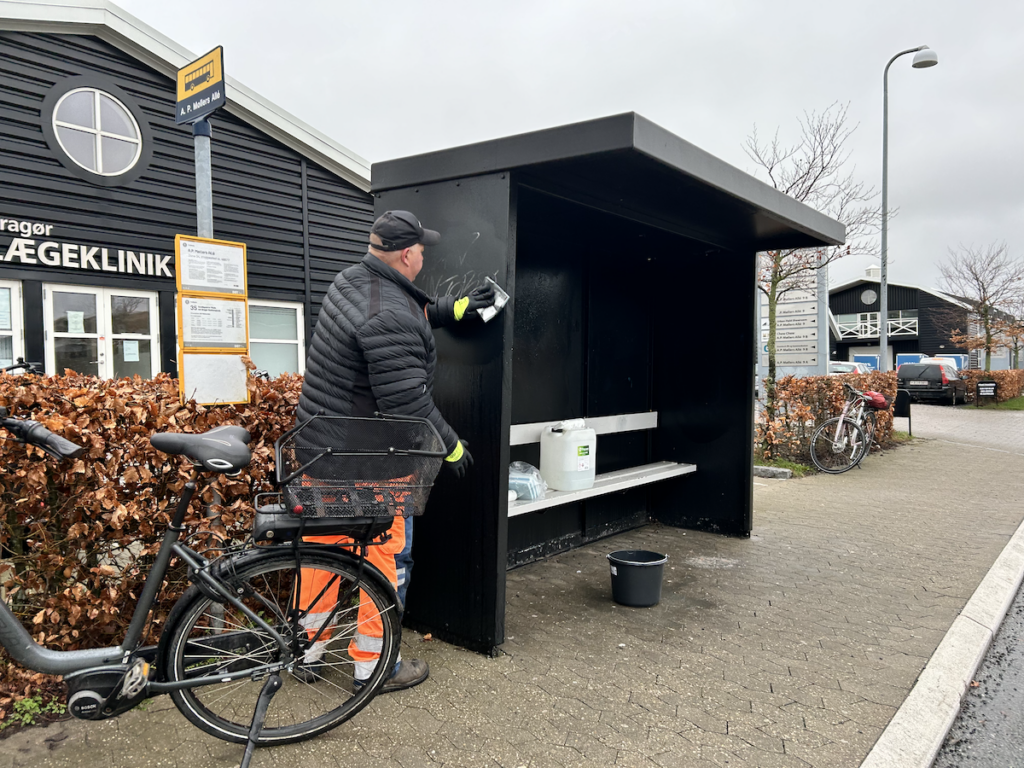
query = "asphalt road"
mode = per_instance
[{"x": 990, "y": 728}]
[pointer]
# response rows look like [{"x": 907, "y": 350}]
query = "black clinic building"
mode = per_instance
[
  {"x": 616, "y": 240},
  {"x": 96, "y": 180}
]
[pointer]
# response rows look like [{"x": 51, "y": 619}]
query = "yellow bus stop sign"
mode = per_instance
[{"x": 201, "y": 87}]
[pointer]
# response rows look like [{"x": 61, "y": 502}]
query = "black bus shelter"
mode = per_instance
[{"x": 630, "y": 257}]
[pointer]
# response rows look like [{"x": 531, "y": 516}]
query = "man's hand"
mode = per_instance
[
  {"x": 459, "y": 460},
  {"x": 478, "y": 298}
]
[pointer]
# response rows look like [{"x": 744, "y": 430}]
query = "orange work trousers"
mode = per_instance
[{"x": 365, "y": 647}]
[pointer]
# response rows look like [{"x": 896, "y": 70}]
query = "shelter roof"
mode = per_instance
[{"x": 628, "y": 165}]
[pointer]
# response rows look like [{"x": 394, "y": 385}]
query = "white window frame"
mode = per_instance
[
  {"x": 97, "y": 132},
  {"x": 300, "y": 321},
  {"x": 17, "y": 319},
  {"x": 106, "y": 337}
]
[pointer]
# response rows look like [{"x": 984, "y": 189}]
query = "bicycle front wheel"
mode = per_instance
[
  {"x": 837, "y": 445},
  {"x": 208, "y": 637}
]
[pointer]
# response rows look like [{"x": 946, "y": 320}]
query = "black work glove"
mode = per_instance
[
  {"x": 459, "y": 460},
  {"x": 478, "y": 298}
]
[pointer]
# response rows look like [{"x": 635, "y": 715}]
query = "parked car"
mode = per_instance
[
  {"x": 932, "y": 381},
  {"x": 837, "y": 367}
]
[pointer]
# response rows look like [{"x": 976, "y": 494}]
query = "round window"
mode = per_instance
[
  {"x": 97, "y": 131},
  {"x": 868, "y": 297}
]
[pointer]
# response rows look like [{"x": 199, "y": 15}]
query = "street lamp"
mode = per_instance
[{"x": 924, "y": 57}]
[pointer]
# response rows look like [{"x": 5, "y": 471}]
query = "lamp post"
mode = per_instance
[{"x": 924, "y": 57}]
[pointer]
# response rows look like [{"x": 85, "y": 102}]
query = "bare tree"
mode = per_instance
[
  {"x": 988, "y": 280},
  {"x": 814, "y": 171},
  {"x": 1012, "y": 327}
]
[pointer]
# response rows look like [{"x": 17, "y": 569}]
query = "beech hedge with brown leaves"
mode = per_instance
[
  {"x": 1009, "y": 384},
  {"x": 78, "y": 536},
  {"x": 804, "y": 403}
]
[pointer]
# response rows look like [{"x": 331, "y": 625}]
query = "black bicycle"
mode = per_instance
[{"x": 275, "y": 617}]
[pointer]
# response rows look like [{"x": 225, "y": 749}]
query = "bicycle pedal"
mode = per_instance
[{"x": 136, "y": 680}]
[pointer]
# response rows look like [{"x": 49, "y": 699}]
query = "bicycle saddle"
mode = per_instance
[{"x": 224, "y": 449}]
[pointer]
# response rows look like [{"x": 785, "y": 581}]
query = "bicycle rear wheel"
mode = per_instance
[
  {"x": 207, "y": 637},
  {"x": 870, "y": 426},
  {"x": 837, "y": 445}
]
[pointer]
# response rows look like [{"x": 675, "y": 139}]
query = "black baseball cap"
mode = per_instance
[{"x": 400, "y": 229}]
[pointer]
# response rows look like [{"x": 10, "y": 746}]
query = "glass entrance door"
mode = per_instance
[
  {"x": 132, "y": 332},
  {"x": 74, "y": 325},
  {"x": 104, "y": 332}
]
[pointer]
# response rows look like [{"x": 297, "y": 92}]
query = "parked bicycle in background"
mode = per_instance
[{"x": 842, "y": 442}]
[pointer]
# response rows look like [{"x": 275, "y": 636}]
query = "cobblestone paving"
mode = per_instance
[{"x": 792, "y": 648}]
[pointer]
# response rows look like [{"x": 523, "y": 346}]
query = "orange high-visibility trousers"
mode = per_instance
[{"x": 365, "y": 647}]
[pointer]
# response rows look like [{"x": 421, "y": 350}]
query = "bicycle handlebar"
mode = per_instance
[
  {"x": 29, "y": 367},
  {"x": 854, "y": 391},
  {"x": 34, "y": 433}
]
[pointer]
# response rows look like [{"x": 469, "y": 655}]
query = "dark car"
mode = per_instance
[{"x": 937, "y": 382}]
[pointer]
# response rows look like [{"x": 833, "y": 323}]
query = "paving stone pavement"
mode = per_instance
[
  {"x": 999, "y": 430},
  {"x": 791, "y": 648}
]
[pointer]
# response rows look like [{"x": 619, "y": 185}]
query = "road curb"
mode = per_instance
[
  {"x": 774, "y": 472},
  {"x": 917, "y": 730}
]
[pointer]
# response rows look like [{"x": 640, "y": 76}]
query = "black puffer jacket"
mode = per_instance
[{"x": 373, "y": 350}]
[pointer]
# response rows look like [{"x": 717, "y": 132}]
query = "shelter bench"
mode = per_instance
[{"x": 609, "y": 482}]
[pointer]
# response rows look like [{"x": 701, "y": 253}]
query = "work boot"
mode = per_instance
[
  {"x": 410, "y": 672},
  {"x": 407, "y": 674}
]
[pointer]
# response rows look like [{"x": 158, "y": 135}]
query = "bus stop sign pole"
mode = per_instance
[{"x": 201, "y": 133}]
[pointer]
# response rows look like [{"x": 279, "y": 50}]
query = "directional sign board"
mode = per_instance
[
  {"x": 791, "y": 334},
  {"x": 201, "y": 87},
  {"x": 786, "y": 359},
  {"x": 795, "y": 309},
  {"x": 796, "y": 330}
]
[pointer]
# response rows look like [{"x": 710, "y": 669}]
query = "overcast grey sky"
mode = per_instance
[{"x": 396, "y": 78}]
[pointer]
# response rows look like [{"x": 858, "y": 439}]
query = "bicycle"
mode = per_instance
[
  {"x": 842, "y": 442},
  {"x": 245, "y": 627}
]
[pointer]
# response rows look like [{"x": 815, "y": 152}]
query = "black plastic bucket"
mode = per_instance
[{"x": 636, "y": 577}]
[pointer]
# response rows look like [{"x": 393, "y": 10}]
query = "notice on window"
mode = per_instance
[
  {"x": 76, "y": 321},
  {"x": 213, "y": 323},
  {"x": 5, "y": 309},
  {"x": 210, "y": 266},
  {"x": 130, "y": 348}
]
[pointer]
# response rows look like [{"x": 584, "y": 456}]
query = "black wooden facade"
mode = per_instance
[
  {"x": 936, "y": 317},
  {"x": 301, "y": 222}
]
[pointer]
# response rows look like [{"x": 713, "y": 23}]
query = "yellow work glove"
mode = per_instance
[
  {"x": 478, "y": 298},
  {"x": 459, "y": 460}
]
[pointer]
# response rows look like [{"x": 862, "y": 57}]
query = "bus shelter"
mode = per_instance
[{"x": 630, "y": 258}]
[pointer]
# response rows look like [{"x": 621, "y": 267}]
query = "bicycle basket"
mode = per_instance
[
  {"x": 877, "y": 401},
  {"x": 345, "y": 466}
]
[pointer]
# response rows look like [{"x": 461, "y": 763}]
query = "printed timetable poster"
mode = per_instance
[
  {"x": 213, "y": 323},
  {"x": 210, "y": 266}
]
